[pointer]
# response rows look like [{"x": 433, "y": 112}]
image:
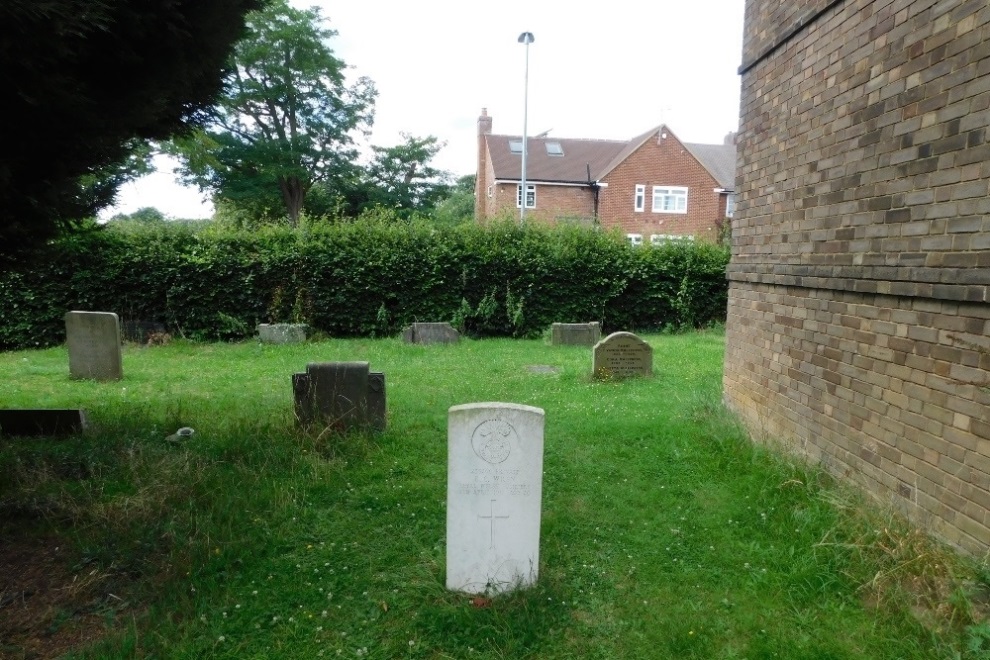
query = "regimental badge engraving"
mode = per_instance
[{"x": 493, "y": 440}]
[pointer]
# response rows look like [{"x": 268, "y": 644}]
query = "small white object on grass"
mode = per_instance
[{"x": 182, "y": 434}]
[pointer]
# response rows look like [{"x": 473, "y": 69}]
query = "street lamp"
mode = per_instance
[{"x": 525, "y": 38}]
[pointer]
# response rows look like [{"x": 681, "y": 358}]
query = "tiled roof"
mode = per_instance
[
  {"x": 590, "y": 160},
  {"x": 719, "y": 160},
  {"x": 572, "y": 167}
]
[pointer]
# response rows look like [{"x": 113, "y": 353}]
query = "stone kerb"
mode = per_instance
[
  {"x": 494, "y": 495},
  {"x": 340, "y": 395},
  {"x": 575, "y": 334},
  {"x": 282, "y": 333},
  {"x": 622, "y": 355},
  {"x": 430, "y": 333},
  {"x": 93, "y": 339}
]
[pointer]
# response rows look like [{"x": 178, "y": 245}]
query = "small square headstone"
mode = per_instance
[
  {"x": 93, "y": 339},
  {"x": 622, "y": 355},
  {"x": 282, "y": 333},
  {"x": 494, "y": 495},
  {"x": 575, "y": 334},
  {"x": 430, "y": 333}
]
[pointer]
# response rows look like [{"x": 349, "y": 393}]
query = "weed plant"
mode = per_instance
[{"x": 666, "y": 533}]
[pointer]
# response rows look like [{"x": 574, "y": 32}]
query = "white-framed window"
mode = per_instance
[
  {"x": 515, "y": 146},
  {"x": 530, "y": 196},
  {"x": 634, "y": 239},
  {"x": 730, "y": 204},
  {"x": 640, "y": 198},
  {"x": 554, "y": 149},
  {"x": 669, "y": 199}
]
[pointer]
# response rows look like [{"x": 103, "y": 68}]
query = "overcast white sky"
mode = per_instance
[{"x": 612, "y": 69}]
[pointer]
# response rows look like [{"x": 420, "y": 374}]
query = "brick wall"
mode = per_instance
[
  {"x": 661, "y": 162},
  {"x": 859, "y": 300},
  {"x": 552, "y": 202}
]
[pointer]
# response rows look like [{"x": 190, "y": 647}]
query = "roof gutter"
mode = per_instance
[{"x": 544, "y": 183}]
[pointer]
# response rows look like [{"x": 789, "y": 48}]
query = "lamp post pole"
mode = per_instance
[{"x": 525, "y": 38}]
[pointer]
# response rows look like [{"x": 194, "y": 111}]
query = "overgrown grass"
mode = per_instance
[{"x": 666, "y": 533}]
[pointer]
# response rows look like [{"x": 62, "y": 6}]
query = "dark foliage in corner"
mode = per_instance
[{"x": 86, "y": 81}]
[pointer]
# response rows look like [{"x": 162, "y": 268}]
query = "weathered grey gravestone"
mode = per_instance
[
  {"x": 94, "y": 345},
  {"x": 575, "y": 334},
  {"x": 622, "y": 355},
  {"x": 282, "y": 333},
  {"x": 430, "y": 333},
  {"x": 49, "y": 421},
  {"x": 341, "y": 395},
  {"x": 494, "y": 494}
]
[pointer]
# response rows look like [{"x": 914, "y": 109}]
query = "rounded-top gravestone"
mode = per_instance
[{"x": 622, "y": 355}]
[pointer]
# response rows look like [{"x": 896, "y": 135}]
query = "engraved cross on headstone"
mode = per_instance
[{"x": 492, "y": 518}]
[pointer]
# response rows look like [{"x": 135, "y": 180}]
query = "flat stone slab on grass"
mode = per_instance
[
  {"x": 575, "y": 334},
  {"x": 542, "y": 369},
  {"x": 42, "y": 421},
  {"x": 282, "y": 333},
  {"x": 622, "y": 355},
  {"x": 93, "y": 339},
  {"x": 430, "y": 333},
  {"x": 494, "y": 496}
]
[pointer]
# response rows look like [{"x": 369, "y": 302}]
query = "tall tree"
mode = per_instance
[
  {"x": 87, "y": 81},
  {"x": 402, "y": 178},
  {"x": 287, "y": 118}
]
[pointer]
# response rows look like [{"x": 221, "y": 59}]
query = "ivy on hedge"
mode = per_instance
[{"x": 366, "y": 278}]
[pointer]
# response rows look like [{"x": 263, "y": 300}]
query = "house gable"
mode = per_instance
[{"x": 661, "y": 160}]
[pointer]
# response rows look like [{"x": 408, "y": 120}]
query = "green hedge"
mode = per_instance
[{"x": 364, "y": 278}]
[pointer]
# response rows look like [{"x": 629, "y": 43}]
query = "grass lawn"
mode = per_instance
[{"x": 666, "y": 533}]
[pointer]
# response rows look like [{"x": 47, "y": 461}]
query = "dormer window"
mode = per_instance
[
  {"x": 515, "y": 146},
  {"x": 554, "y": 149}
]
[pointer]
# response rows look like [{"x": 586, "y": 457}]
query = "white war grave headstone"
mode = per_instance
[
  {"x": 94, "y": 345},
  {"x": 494, "y": 495}
]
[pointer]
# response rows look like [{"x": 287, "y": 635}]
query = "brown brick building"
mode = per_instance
[
  {"x": 652, "y": 185},
  {"x": 860, "y": 279}
]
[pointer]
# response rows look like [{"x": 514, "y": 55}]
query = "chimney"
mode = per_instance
[
  {"x": 484, "y": 123},
  {"x": 481, "y": 180},
  {"x": 730, "y": 138}
]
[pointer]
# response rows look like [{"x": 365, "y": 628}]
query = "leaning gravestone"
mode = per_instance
[
  {"x": 94, "y": 345},
  {"x": 494, "y": 493},
  {"x": 282, "y": 333},
  {"x": 622, "y": 355},
  {"x": 430, "y": 333},
  {"x": 575, "y": 334},
  {"x": 341, "y": 395}
]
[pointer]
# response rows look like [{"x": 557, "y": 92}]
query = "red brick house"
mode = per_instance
[{"x": 653, "y": 185}]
